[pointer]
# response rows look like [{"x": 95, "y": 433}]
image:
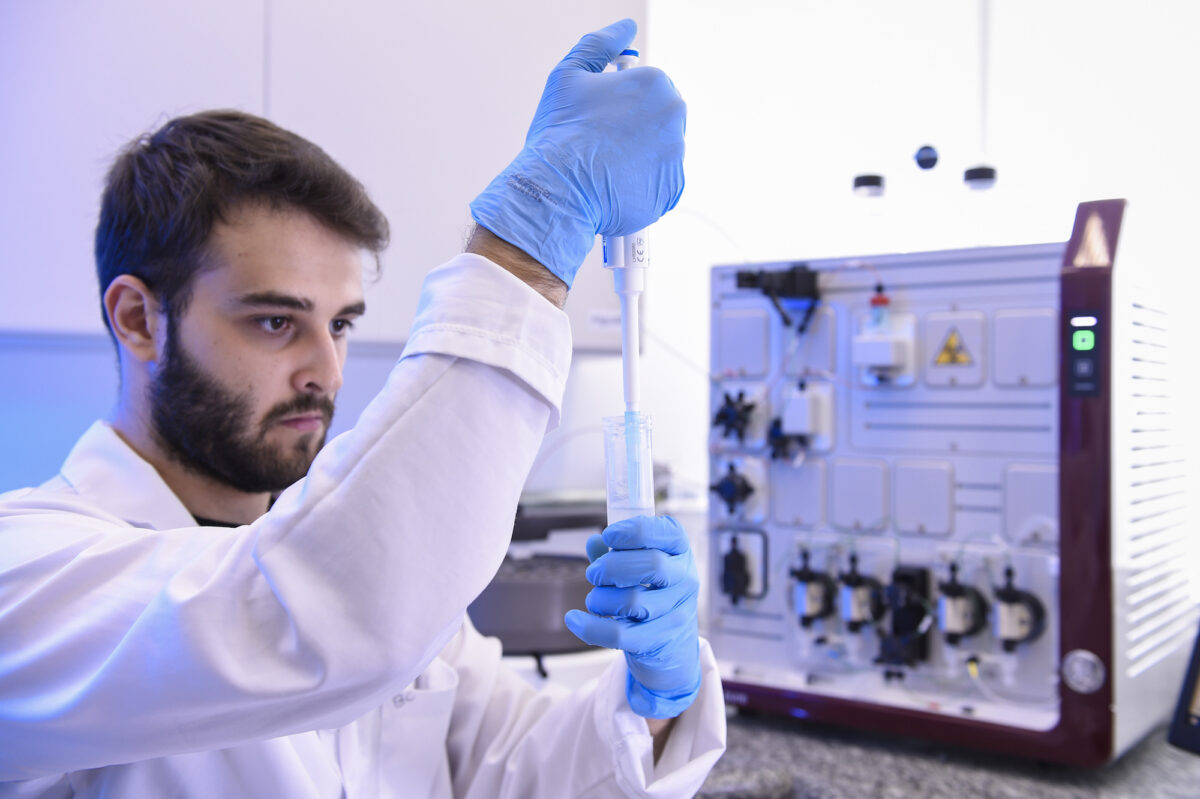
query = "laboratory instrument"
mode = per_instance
[
  {"x": 627, "y": 439},
  {"x": 949, "y": 496},
  {"x": 543, "y": 576}
]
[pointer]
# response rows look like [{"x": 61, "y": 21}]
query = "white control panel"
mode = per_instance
[{"x": 884, "y": 505}]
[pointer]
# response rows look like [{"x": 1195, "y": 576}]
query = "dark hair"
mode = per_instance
[{"x": 167, "y": 190}]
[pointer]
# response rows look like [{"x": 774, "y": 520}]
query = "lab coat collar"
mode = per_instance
[{"x": 105, "y": 470}]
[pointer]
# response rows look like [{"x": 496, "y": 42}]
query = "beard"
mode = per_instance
[{"x": 208, "y": 428}]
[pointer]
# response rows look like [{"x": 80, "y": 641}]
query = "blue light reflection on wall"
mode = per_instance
[{"x": 54, "y": 387}]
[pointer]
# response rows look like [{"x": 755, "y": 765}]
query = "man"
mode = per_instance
[{"x": 167, "y": 631}]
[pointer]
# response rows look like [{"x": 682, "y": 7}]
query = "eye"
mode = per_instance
[
  {"x": 273, "y": 324},
  {"x": 341, "y": 327}
]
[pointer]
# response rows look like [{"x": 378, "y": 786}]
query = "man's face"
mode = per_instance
[{"x": 246, "y": 379}]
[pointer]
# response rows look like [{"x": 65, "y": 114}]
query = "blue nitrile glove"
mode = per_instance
[
  {"x": 604, "y": 155},
  {"x": 644, "y": 602}
]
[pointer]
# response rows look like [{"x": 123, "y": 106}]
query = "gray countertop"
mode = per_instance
[{"x": 771, "y": 757}]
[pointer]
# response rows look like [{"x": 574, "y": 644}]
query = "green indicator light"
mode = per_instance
[{"x": 1083, "y": 340}]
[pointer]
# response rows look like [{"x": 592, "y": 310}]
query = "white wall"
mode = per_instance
[
  {"x": 77, "y": 81},
  {"x": 424, "y": 102},
  {"x": 788, "y": 100}
]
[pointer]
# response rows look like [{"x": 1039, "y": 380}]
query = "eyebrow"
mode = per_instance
[{"x": 273, "y": 299}]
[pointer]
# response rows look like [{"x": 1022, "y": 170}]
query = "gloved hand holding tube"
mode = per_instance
[
  {"x": 604, "y": 155},
  {"x": 645, "y": 602}
]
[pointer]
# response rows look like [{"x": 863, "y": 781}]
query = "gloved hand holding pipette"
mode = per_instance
[
  {"x": 604, "y": 155},
  {"x": 645, "y": 602}
]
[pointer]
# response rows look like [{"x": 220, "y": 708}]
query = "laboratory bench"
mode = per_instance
[{"x": 772, "y": 757}]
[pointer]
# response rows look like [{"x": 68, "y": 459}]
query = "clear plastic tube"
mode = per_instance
[{"x": 628, "y": 467}]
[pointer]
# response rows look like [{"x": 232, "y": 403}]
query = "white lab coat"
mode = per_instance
[{"x": 323, "y": 650}]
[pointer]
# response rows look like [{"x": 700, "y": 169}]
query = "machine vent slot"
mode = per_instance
[
  {"x": 1155, "y": 515},
  {"x": 1157, "y": 596},
  {"x": 1153, "y": 534},
  {"x": 1152, "y": 572},
  {"x": 1156, "y": 480},
  {"x": 1152, "y": 551},
  {"x": 1154, "y": 464},
  {"x": 1160, "y": 609},
  {"x": 1177, "y": 634},
  {"x": 1157, "y": 497}
]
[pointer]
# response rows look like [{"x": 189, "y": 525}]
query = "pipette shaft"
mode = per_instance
[
  {"x": 627, "y": 257},
  {"x": 630, "y": 483},
  {"x": 629, "y": 282}
]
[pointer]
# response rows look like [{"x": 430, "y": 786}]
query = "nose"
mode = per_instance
[{"x": 320, "y": 369}]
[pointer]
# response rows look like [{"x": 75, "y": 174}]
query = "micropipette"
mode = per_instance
[{"x": 627, "y": 439}]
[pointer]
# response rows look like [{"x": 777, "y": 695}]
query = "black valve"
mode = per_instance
[
  {"x": 861, "y": 598},
  {"x": 814, "y": 592},
  {"x": 797, "y": 283},
  {"x": 906, "y": 598},
  {"x": 962, "y": 610},
  {"x": 782, "y": 444},
  {"x": 733, "y": 489},
  {"x": 735, "y": 574},
  {"x": 1020, "y": 616},
  {"x": 734, "y": 415}
]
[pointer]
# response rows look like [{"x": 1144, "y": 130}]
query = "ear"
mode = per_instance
[{"x": 135, "y": 316}]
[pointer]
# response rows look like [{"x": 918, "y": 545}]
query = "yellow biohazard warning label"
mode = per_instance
[{"x": 953, "y": 351}]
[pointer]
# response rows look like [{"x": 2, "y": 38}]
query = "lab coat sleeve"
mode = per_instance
[
  {"x": 508, "y": 740},
  {"x": 119, "y": 644}
]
